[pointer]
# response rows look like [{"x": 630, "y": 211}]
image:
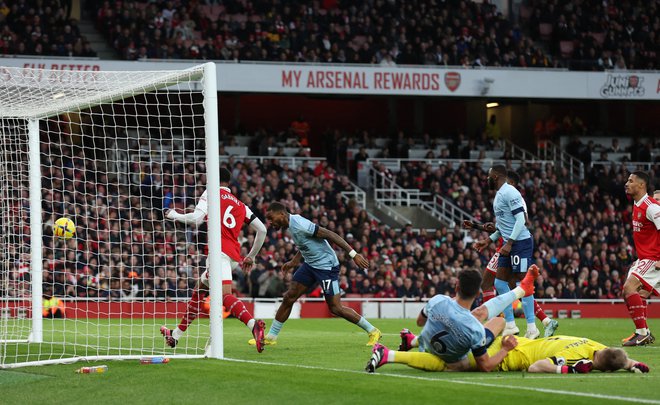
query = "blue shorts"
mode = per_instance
[
  {"x": 328, "y": 279},
  {"x": 520, "y": 257}
]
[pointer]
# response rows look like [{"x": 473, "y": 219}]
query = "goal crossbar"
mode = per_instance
[{"x": 30, "y": 100}]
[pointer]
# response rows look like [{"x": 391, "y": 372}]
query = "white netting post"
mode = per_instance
[
  {"x": 112, "y": 151},
  {"x": 213, "y": 183},
  {"x": 36, "y": 239}
]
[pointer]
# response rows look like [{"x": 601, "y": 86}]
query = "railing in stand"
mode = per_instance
[
  {"x": 357, "y": 194},
  {"x": 395, "y": 165},
  {"x": 548, "y": 150},
  {"x": 387, "y": 192},
  {"x": 292, "y": 161},
  {"x": 630, "y": 166},
  {"x": 518, "y": 153}
]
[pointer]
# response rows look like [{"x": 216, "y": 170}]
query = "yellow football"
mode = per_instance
[{"x": 64, "y": 228}]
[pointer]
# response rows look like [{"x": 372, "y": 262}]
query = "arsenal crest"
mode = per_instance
[{"x": 452, "y": 80}]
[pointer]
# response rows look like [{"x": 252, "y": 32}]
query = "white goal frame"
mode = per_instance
[{"x": 34, "y": 113}]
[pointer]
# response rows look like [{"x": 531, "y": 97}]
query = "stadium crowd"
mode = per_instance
[
  {"x": 558, "y": 33},
  {"x": 583, "y": 35},
  {"x": 124, "y": 248},
  {"x": 43, "y": 28},
  {"x": 597, "y": 35}
]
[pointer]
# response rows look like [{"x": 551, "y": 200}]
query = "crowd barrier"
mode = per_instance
[{"x": 308, "y": 308}]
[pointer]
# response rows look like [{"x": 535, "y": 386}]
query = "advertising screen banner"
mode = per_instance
[{"x": 431, "y": 81}]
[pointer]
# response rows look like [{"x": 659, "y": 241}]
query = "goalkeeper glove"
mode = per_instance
[
  {"x": 580, "y": 367},
  {"x": 639, "y": 368}
]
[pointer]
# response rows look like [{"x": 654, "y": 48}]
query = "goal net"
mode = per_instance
[{"x": 112, "y": 151}]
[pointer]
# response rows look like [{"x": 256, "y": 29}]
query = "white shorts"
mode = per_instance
[
  {"x": 492, "y": 264},
  {"x": 647, "y": 274},
  {"x": 226, "y": 267}
]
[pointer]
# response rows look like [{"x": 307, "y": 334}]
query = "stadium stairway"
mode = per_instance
[
  {"x": 396, "y": 216},
  {"x": 88, "y": 30}
]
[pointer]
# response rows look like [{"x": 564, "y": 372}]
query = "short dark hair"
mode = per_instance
[
  {"x": 469, "y": 283},
  {"x": 513, "y": 176},
  {"x": 656, "y": 191},
  {"x": 225, "y": 175},
  {"x": 276, "y": 207},
  {"x": 643, "y": 176},
  {"x": 500, "y": 170}
]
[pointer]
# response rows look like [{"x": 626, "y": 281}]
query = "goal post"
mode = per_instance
[{"x": 112, "y": 151}]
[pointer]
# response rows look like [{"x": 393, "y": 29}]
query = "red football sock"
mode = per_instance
[
  {"x": 637, "y": 310},
  {"x": 193, "y": 309},
  {"x": 538, "y": 311},
  {"x": 489, "y": 294},
  {"x": 646, "y": 308},
  {"x": 236, "y": 307}
]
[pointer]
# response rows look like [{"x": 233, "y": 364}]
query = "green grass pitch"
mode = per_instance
[{"x": 321, "y": 361}]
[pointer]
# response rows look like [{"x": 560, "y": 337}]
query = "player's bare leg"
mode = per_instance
[
  {"x": 337, "y": 309},
  {"x": 295, "y": 291}
]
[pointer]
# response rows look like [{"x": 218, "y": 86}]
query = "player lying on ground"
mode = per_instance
[
  {"x": 557, "y": 354},
  {"x": 234, "y": 215},
  {"x": 644, "y": 273},
  {"x": 321, "y": 266},
  {"x": 451, "y": 331}
]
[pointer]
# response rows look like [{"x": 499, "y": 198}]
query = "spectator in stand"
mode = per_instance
[
  {"x": 301, "y": 129},
  {"x": 388, "y": 290},
  {"x": 47, "y": 30}
]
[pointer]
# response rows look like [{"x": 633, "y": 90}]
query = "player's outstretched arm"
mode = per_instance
[
  {"x": 260, "y": 236},
  {"x": 196, "y": 217},
  {"x": 635, "y": 366},
  {"x": 488, "y": 226},
  {"x": 488, "y": 363},
  {"x": 339, "y": 241},
  {"x": 547, "y": 366}
]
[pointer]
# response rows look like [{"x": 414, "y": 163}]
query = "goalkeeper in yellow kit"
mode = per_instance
[{"x": 555, "y": 354}]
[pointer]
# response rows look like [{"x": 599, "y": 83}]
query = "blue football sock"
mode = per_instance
[
  {"x": 528, "y": 308},
  {"x": 499, "y": 304},
  {"x": 502, "y": 288},
  {"x": 364, "y": 324},
  {"x": 275, "y": 328}
]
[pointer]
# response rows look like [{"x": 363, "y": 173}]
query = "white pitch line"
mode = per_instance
[
  {"x": 457, "y": 381},
  {"x": 539, "y": 376}
]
